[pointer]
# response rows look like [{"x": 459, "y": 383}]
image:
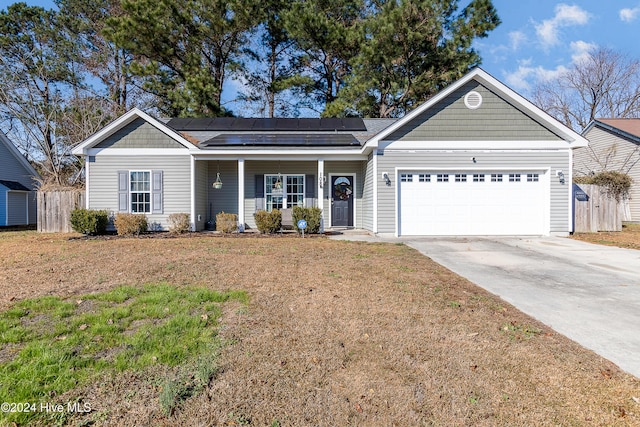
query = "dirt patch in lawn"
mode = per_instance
[
  {"x": 629, "y": 237},
  {"x": 335, "y": 333}
]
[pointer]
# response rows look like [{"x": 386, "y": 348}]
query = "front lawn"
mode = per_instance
[{"x": 316, "y": 332}]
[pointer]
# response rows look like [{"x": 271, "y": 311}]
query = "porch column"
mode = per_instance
[
  {"x": 321, "y": 193},
  {"x": 241, "y": 195}
]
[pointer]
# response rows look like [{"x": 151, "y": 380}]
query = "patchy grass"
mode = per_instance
[
  {"x": 629, "y": 237},
  {"x": 334, "y": 333},
  {"x": 57, "y": 344}
]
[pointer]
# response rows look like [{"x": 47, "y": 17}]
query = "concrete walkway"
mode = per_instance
[{"x": 589, "y": 293}]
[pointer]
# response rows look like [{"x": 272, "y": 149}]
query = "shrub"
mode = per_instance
[
  {"x": 615, "y": 184},
  {"x": 268, "y": 222},
  {"x": 179, "y": 223},
  {"x": 311, "y": 215},
  {"x": 128, "y": 224},
  {"x": 226, "y": 222},
  {"x": 88, "y": 221}
]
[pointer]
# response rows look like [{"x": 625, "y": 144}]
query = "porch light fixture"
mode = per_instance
[
  {"x": 387, "y": 180},
  {"x": 217, "y": 184}
]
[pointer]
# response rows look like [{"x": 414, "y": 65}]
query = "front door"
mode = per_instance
[{"x": 342, "y": 201}]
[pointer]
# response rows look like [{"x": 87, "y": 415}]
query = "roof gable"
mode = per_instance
[
  {"x": 546, "y": 124},
  {"x": 495, "y": 119},
  {"x": 17, "y": 156},
  {"x": 132, "y": 120},
  {"x": 625, "y": 128}
]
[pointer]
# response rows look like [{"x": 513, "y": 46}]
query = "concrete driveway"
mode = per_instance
[{"x": 587, "y": 292}]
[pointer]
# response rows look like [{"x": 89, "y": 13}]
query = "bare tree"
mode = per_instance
[{"x": 604, "y": 84}]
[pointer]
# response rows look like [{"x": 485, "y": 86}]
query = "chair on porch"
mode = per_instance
[{"x": 287, "y": 219}]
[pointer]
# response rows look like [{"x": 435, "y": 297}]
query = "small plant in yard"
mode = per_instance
[
  {"x": 179, "y": 223},
  {"x": 520, "y": 332},
  {"x": 268, "y": 222},
  {"x": 88, "y": 221},
  {"x": 226, "y": 222},
  {"x": 311, "y": 215},
  {"x": 57, "y": 345},
  {"x": 128, "y": 224}
]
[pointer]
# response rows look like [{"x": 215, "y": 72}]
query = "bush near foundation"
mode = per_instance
[
  {"x": 268, "y": 222},
  {"x": 128, "y": 224},
  {"x": 179, "y": 223},
  {"x": 89, "y": 221},
  {"x": 226, "y": 222},
  {"x": 311, "y": 215}
]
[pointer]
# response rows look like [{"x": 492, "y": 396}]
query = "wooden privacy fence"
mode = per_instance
[
  {"x": 595, "y": 211},
  {"x": 54, "y": 210}
]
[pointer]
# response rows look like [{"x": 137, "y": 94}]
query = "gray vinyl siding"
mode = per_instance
[
  {"x": 139, "y": 134},
  {"x": 607, "y": 151},
  {"x": 103, "y": 183},
  {"x": 439, "y": 160},
  {"x": 367, "y": 195},
  {"x": 356, "y": 168},
  {"x": 11, "y": 169},
  {"x": 494, "y": 120},
  {"x": 253, "y": 168},
  {"x": 226, "y": 198},
  {"x": 33, "y": 206},
  {"x": 201, "y": 214}
]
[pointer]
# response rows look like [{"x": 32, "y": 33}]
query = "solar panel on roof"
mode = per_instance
[
  {"x": 289, "y": 140},
  {"x": 269, "y": 124}
]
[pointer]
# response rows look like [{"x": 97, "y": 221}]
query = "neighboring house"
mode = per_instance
[
  {"x": 614, "y": 145},
  {"x": 17, "y": 186},
  {"x": 476, "y": 159}
]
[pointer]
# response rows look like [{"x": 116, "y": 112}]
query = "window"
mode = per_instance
[
  {"x": 406, "y": 177},
  {"x": 424, "y": 177},
  {"x": 478, "y": 177},
  {"x": 461, "y": 177},
  {"x": 442, "y": 177},
  {"x": 284, "y": 191},
  {"x": 140, "y": 191},
  {"x": 533, "y": 177},
  {"x": 514, "y": 177},
  {"x": 496, "y": 177}
]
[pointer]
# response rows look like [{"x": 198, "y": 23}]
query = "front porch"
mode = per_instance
[{"x": 335, "y": 186}]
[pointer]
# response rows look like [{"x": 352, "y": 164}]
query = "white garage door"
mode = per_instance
[{"x": 444, "y": 203}]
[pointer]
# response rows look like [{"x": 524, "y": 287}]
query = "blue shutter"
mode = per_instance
[
  {"x": 309, "y": 190},
  {"x": 259, "y": 191},
  {"x": 123, "y": 191},
  {"x": 156, "y": 192}
]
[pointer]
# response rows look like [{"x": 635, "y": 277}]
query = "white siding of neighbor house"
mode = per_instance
[
  {"x": 355, "y": 168},
  {"x": 103, "y": 182},
  {"x": 607, "y": 151},
  {"x": 485, "y": 160}
]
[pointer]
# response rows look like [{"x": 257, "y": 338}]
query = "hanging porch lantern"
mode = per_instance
[{"x": 217, "y": 184}]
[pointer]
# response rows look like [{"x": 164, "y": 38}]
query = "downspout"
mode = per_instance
[
  {"x": 193, "y": 193},
  {"x": 241, "y": 221}
]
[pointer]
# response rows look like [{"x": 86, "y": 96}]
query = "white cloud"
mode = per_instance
[
  {"x": 548, "y": 31},
  {"x": 580, "y": 50},
  {"x": 526, "y": 76},
  {"x": 629, "y": 15},
  {"x": 516, "y": 39}
]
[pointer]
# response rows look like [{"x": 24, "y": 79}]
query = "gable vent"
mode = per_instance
[{"x": 473, "y": 100}]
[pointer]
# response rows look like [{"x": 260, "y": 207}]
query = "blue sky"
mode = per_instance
[{"x": 540, "y": 38}]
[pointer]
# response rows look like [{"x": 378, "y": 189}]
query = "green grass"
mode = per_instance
[{"x": 57, "y": 345}]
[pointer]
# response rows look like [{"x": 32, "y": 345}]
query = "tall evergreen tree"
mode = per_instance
[
  {"x": 412, "y": 50},
  {"x": 327, "y": 34},
  {"x": 189, "y": 46}
]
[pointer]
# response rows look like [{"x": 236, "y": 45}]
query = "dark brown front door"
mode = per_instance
[{"x": 342, "y": 201}]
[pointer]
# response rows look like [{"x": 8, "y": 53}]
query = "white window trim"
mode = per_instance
[
  {"x": 131, "y": 192},
  {"x": 284, "y": 188}
]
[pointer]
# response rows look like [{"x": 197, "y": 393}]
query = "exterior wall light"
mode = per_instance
[
  {"x": 560, "y": 176},
  {"x": 387, "y": 180}
]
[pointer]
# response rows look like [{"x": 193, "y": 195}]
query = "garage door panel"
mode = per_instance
[{"x": 471, "y": 203}]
